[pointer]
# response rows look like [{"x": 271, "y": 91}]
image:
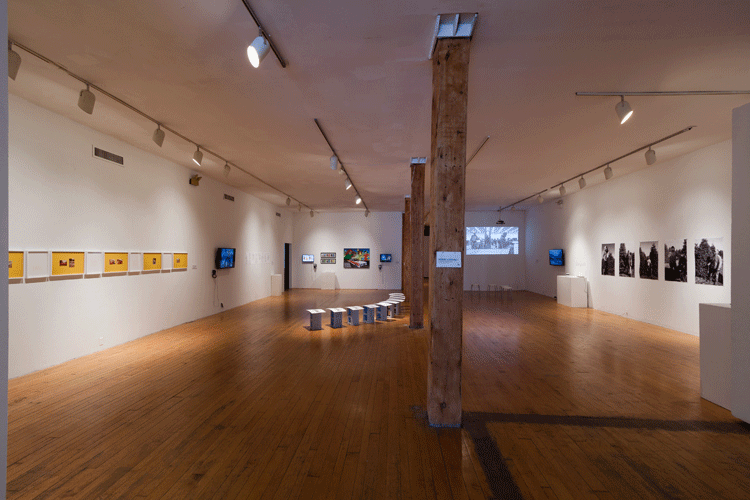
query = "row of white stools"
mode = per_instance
[{"x": 380, "y": 311}]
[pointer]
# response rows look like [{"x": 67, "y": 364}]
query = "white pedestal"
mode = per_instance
[
  {"x": 327, "y": 281},
  {"x": 716, "y": 353},
  {"x": 277, "y": 284},
  {"x": 572, "y": 291}
]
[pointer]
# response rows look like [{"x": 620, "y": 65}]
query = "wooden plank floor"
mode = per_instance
[{"x": 558, "y": 403}]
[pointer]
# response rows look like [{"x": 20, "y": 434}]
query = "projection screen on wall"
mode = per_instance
[{"x": 492, "y": 240}]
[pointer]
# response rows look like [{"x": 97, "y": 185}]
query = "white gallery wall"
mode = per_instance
[
  {"x": 740, "y": 364},
  {"x": 503, "y": 270},
  {"x": 687, "y": 197},
  {"x": 63, "y": 198},
  {"x": 332, "y": 232}
]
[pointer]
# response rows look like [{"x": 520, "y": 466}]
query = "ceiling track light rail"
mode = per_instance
[
  {"x": 264, "y": 34},
  {"x": 349, "y": 183},
  {"x": 664, "y": 93},
  {"x": 607, "y": 169},
  {"x": 478, "y": 149},
  {"x": 160, "y": 125}
]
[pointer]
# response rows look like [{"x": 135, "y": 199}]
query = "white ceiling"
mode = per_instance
[{"x": 361, "y": 68}]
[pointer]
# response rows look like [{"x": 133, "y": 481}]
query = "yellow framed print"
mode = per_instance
[
  {"x": 15, "y": 265},
  {"x": 115, "y": 262},
  {"x": 152, "y": 261},
  {"x": 180, "y": 261},
  {"x": 68, "y": 263}
]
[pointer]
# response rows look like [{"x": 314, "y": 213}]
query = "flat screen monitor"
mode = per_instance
[
  {"x": 556, "y": 257},
  {"x": 386, "y": 257},
  {"x": 224, "y": 258},
  {"x": 308, "y": 258}
]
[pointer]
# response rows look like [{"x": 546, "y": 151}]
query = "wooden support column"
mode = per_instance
[
  {"x": 450, "y": 64},
  {"x": 416, "y": 319},
  {"x": 406, "y": 251}
]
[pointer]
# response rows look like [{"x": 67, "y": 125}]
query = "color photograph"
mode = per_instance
[{"x": 356, "y": 258}]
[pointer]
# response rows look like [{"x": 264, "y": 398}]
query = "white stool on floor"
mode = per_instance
[
  {"x": 337, "y": 316},
  {"x": 382, "y": 311},
  {"x": 368, "y": 315},
  {"x": 352, "y": 316},
  {"x": 316, "y": 318},
  {"x": 493, "y": 287},
  {"x": 471, "y": 288},
  {"x": 507, "y": 290}
]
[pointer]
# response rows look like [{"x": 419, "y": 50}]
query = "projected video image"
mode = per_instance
[
  {"x": 225, "y": 258},
  {"x": 493, "y": 240}
]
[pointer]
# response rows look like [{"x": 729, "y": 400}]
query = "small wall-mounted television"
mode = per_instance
[
  {"x": 386, "y": 257},
  {"x": 556, "y": 257},
  {"x": 224, "y": 258},
  {"x": 308, "y": 258}
]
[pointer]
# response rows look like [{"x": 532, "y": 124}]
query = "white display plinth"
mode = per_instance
[
  {"x": 572, "y": 291},
  {"x": 716, "y": 353},
  {"x": 277, "y": 284}
]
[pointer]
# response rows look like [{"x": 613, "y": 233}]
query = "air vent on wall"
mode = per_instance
[
  {"x": 228, "y": 197},
  {"x": 106, "y": 155}
]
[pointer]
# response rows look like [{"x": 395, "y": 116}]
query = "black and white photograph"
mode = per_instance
[
  {"x": 709, "y": 261},
  {"x": 492, "y": 240},
  {"x": 627, "y": 261},
  {"x": 648, "y": 264},
  {"x": 675, "y": 260},
  {"x": 608, "y": 259}
]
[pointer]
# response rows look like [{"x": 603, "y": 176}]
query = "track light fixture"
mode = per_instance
[
  {"x": 197, "y": 156},
  {"x": 288, "y": 201},
  {"x": 299, "y": 209},
  {"x": 312, "y": 214},
  {"x": 623, "y": 109},
  {"x": 334, "y": 162},
  {"x": 348, "y": 184},
  {"x": 257, "y": 50},
  {"x": 539, "y": 199},
  {"x": 367, "y": 213},
  {"x": 158, "y": 136},
  {"x": 608, "y": 172},
  {"x": 562, "y": 190},
  {"x": 14, "y": 62},
  {"x": 650, "y": 156},
  {"x": 227, "y": 169},
  {"x": 86, "y": 100},
  {"x": 358, "y": 200},
  {"x": 582, "y": 182}
]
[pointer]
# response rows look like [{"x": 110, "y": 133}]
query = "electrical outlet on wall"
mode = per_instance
[
  {"x": 101, "y": 340},
  {"x": 195, "y": 266}
]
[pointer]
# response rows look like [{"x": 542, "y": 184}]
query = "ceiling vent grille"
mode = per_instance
[
  {"x": 228, "y": 197},
  {"x": 106, "y": 155}
]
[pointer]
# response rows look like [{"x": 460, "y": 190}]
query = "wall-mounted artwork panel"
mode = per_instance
[
  {"x": 675, "y": 260},
  {"x": 37, "y": 264},
  {"x": 608, "y": 259},
  {"x": 152, "y": 261},
  {"x": 68, "y": 263},
  {"x": 115, "y": 262},
  {"x": 626, "y": 260},
  {"x": 94, "y": 263},
  {"x": 15, "y": 265},
  {"x": 356, "y": 258},
  {"x": 709, "y": 261},
  {"x": 648, "y": 260},
  {"x": 135, "y": 262},
  {"x": 167, "y": 261},
  {"x": 180, "y": 261}
]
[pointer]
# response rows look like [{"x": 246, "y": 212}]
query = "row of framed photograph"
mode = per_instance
[
  {"x": 708, "y": 257},
  {"x": 35, "y": 264}
]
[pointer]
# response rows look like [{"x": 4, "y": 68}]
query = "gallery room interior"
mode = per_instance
[{"x": 549, "y": 197}]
